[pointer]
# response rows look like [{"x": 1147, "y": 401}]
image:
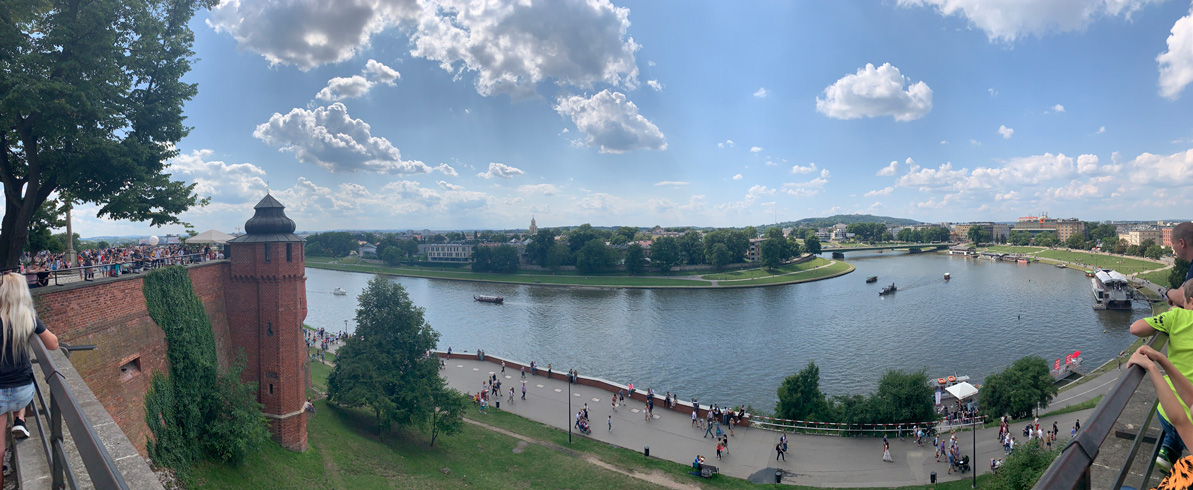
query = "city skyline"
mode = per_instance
[{"x": 430, "y": 115}]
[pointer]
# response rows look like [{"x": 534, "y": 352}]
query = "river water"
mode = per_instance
[{"x": 736, "y": 346}]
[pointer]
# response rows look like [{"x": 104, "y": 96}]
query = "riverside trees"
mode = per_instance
[
  {"x": 383, "y": 365},
  {"x": 901, "y": 397},
  {"x": 91, "y": 98},
  {"x": 1018, "y": 389}
]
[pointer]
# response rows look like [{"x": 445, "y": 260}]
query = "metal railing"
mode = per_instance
[
  {"x": 63, "y": 407},
  {"x": 787, "y": 425},
  {"x": 1071, "y": 470},
  {"x": 58, "y": 277}
]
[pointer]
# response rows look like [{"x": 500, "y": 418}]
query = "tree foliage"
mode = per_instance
[
  {"x": 867, "y": 232},
  {"x": 665, "y": 253},
  {"x": 635, "y": 259},
  {"x": 502, "y": 259},
  {"x": 383, "y": 365},
  {"x": 91, "y": 101},
  {"x": 1176, "y": 275},
  {"x": 800, "y": 397},
  {"x": 331, "y": 244},
  {"x": 978, "y": 235},
  {"x": 812, "y": 245},
  {"x": 1023, "y": 467},
  {"x": 595, "y": 256},
  {"x": 1018, "y": 389},
  {"x": 901, "y": 397}
]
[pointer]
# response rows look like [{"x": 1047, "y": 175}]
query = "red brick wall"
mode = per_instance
[{"x": 111, "y": 314}]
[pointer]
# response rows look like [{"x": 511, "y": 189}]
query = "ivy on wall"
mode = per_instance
[{"x": 196, "y": 412}]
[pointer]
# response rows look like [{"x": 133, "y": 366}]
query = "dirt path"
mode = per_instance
[{"x": 655, "y": 477}]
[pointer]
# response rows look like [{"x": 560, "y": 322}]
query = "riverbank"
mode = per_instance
[{"x": 810, "y": 270}]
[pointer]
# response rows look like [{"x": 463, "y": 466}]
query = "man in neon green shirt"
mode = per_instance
[{"x": 1177, "y": 322}]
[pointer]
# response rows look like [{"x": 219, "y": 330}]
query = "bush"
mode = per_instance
[{"x": 1023, "y": 467}]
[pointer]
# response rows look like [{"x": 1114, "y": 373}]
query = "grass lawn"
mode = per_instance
[
  {"x": 1011, "y": 249},
  {"x": 753, "y": 273},
  {"x": 1124, "y": 265},
  {"x": 345, "y": 453},
  {"x": 811, "y": 275},
  {"x": 1158, "y": 277}
]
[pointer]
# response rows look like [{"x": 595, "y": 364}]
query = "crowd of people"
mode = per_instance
[
  {"x": 39, "y": 267},
  {"x": 324, "y": 340}
]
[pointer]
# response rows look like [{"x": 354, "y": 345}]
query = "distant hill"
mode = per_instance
[{"x": 847, "y": 219}]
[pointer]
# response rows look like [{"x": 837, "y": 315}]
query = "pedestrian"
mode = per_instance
[
  {"x": 613, "y": 401},
  {"x": 725, "y": 444},
  {"x": 503, "y": 366},
  {"x": 523, "y": 390},
  {"x": 886, "y": 451},
  {"x": 708, "y": 429},
  {"x": 694, "y": 418},
  {"x": 718, "y": 449},
  {"x": 511, "y": 399},
  {"x": 779, "y": 452},
  {"x": 610, "y": 423},
  {"x": 646, "y": 412},
  {"x": 523, "y": 372}
]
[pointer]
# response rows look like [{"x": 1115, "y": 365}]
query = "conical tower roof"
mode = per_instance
[{"x": 268, "y": 224}]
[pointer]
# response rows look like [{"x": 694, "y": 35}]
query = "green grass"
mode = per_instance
[
  {"x": 1085, "y": 405},
  {"x": 319, "y": 374},
  {"x": 1124, "y": 265},
  {"x": 1011, "y": 249},
  {"x": 836, "y": 269},
  {"x": 345, "y": 453},
  {"x": 755, "y": 273},
  {"x": 1158, "y": 277}
]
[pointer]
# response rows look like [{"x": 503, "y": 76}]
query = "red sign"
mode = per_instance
[{"x": 1056, "y": 365}]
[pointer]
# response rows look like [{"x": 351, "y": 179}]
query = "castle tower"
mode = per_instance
[{"x": 267, "y": 302}]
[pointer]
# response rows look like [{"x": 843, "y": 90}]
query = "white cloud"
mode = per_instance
[
  {"x": 330, "y": 138},
  {"x": 876, "y": 92},
  {"x": 889, "y": 170},
  {"x": 1101, "y": 129},
  {"x": 450, "y": 186},
  {"x": 611, "y": 122},
  {"x": 811, "y": 167},
  {"x": 379, "y": 73},
  {"x": 993, "y": 93},
  {"x": 374, "y": 73},
  {"x": 1010, "y": 20},
  {"x": 654, "y": 84},
  {"x": 1073, "y": 191},
  {"x": 771, "y": 163},
  {"x": 1008, "y": 196},
  {"x": 1174, "y": 170},
  {"x": 737, "y": 177},
  {"x": 667, "y": 206},
  {"x": 944, "y": 142},
  {"x": 755, "y": 149},
  {"x": 809, "y": 188},
  {"x": 672, "y": 183},
  {"x": 930, "y": 178},
  {"x": 544, "y": 189},
  {"x": 512, "y": 45},
  {"x": 1176, "y": 64},
  {"x": 975, "y": 142},
  {"x": 725, "y": 144},
  {"x": 1058, "y": 108},
  {"x": 760, "y": 93},
  {"x": 1005, "y": 132},
  {"x": 881, "y": 192},
  {"x": 447, "y": 170},
  {"x": 218, "y": 180},
  {"x": 500, "y": 170}
]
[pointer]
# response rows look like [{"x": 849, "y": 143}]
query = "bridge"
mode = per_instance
[{"x": 915, "y": 248}]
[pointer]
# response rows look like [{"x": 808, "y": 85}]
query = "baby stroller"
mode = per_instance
[
  {"x": 584, "y": 426},
  {"x": 961, "y": 464}
]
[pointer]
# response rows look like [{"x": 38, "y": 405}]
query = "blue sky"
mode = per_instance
[{"x": 446, "y": 114}]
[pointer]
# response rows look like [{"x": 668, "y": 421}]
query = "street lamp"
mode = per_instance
[
  {"x": 345, "y": 326},
  {"x": 975, "y": 452},
  {"x": 570, "y": 423}
]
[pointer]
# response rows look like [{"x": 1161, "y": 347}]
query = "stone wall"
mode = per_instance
[{"x": 129, "y": 346}]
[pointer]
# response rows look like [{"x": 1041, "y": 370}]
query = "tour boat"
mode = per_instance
[
  {"x": 1111, "y": 290},
  {"x": 947, "y": 276},
  {"x": 339, "y": 291},
  {"x": 1060, "y": 266},
  {"x": 888, "y": 290},
  {"x": 871, "y": 279},
  {"x": 489, "y": 299}
]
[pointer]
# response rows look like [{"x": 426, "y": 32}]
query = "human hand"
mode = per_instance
[{"x": 1141, "y": 359}]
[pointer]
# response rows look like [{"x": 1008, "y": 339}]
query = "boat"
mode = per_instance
[
  {"x": 871, "y": 279},
  {"x": 1111, "y": 290},
  {"x": 339, "y": 291},
  {"x": 1060, "y": 266},
  {"x": 1089, "y": 273},
  {"x": 888, "y": 290},
  {"x": 947, "y": 276},
  {"x": 489, "y": 299}
]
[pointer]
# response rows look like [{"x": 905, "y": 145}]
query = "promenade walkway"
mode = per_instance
[{"x": 826, "y": 461}]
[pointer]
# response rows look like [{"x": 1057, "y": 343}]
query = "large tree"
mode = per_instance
[
  {"x": 1018, "y": 389},
  {"x": 383, "y": 365},
  {"x": 800, "y": 397},
  {"x": 664, "y": 253},
  {"x": 91, "y": 98}
]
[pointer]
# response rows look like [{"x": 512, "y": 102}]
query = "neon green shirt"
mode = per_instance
[{"x": 1178, "y": 324}]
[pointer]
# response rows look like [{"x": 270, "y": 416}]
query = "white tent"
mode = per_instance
[
  {"x": 962, "y": 390},
  {"x": 210, "y": 236}
]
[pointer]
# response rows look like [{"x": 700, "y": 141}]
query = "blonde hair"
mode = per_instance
[
  {"x": 1187, "y": 289},
  {"x": 16, "y": 311}
]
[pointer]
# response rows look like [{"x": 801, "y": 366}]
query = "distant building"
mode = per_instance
[
  {"x": 754, "y": 253},
  {"x": 368, "y": 250},
  {"x": 659, "y": 231},
  {"x": 1066, "y": 228},
  {"x": 1001, "y": 230},
  {"x": 1166, "y": 236},
  {"x": 1138, "y": 236},
  {"x": 446, "y": 252},
  {"x": 534, "y": 229}
]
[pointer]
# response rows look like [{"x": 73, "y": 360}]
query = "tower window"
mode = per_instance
[
  {"x": 270, "y": 388},
  {"x": 267, "y": 252},
  {"x": 288, "y": 252}
]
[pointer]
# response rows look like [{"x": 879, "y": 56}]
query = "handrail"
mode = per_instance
[
  {"x": 63, "y": 407},
  {"x": 1070, "y": 470}
]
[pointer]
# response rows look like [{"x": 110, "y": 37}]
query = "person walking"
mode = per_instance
[
  {"x": 780, "y": 452},
  {"x": 613, "y": 402},
  {"x": 708, "y": 429},
  {"x": 16, "y": 369},
  {"x": 886, "y": 451},
  {"x": 523, "y": 390},
  {"x": 610, "y": 423}
]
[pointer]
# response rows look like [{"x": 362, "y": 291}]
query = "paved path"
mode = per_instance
[{"x": 826, "y": 461}]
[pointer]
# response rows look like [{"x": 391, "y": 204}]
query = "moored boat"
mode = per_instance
[
  {"x": 489, "y": 299},
  {"x": 1111, "y": 290},
  {"x": 871, "y": 279}
]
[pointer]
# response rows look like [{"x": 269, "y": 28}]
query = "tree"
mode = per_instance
[
  {"x": 383, "y": 366},
  {"x": 580, "y": 237},
  {"x": 691, "y": 247},
  {"x": 719, "y": 255},
  {"x": 1076, "y": 241},
  {"x": 772, "y": 253},
  {"x": 664, "y": 253},
  {"x": 1109, "y": 244},
  {"x": 812, "y": 245},
  {"x": 504, "y": 259},
  {"x": 1153, "y": 252},
  {"x": 626, "y": 232},
  {"x": 1047, "y": 239},
  {"x": 482, "y": 259},
  {"x": 903, "y": 397},
  {"x": 908, "y": 235},
  {"x": 1018, "y": 389},
  {"x": 1020, "y": 237},
  {"x": 91, "y": 102},
  {"x": 635, "y": 259},
  {"x": 800, "y": 397},
  {"x": 447, "y": 413},
  {"x": 793, "y": 248},
  {"x": 1176, "y": 275},
  {"x": 978, "y": 235},
  {"x": 1024, "y": 466},
  {"x": 595, "y": 256},
  {"x": 334, "y": 244},
  {"x": 1133, "y": 250},
  {"x": 557, "y": 255},
  {"x": 540, "y": 246}
]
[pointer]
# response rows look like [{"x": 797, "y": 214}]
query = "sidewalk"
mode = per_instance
[{"x": 826, "y": 461}]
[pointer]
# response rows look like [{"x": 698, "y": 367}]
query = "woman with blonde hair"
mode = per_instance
[{"x": 18, "y": 321}]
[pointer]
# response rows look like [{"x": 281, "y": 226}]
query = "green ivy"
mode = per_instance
[{"x": 196, "y": 412}]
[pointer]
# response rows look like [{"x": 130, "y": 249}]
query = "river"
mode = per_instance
[{"x": 736, "y": 346}]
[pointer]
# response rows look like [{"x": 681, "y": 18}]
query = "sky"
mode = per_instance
[{"x": 479, "y": 114}]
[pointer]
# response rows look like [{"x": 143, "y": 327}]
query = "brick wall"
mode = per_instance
[{"x": 111, "y": 313}]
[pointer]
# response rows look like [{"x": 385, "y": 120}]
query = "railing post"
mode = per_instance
[{"x": 58, "y": 466}]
